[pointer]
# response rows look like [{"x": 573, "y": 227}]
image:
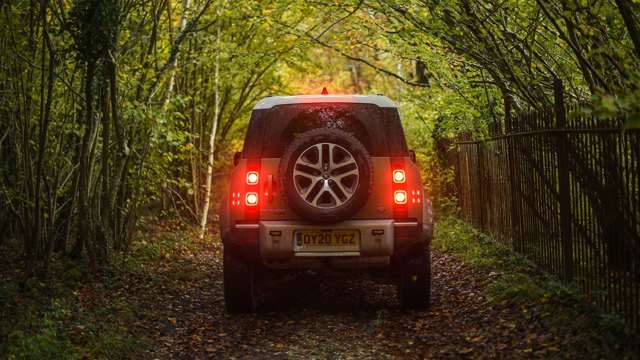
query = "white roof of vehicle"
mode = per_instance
[{"x": 269, "y": 102}]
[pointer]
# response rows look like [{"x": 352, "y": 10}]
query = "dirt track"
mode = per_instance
[{"x": 319, "y": 317}]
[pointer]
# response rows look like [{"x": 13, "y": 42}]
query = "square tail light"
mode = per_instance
[
  {"x": 252, "y": 178},
  {"x": 400, "y": 197},
  {"x": 399, "y": 176},
  {"x": 251, "y": 199}
]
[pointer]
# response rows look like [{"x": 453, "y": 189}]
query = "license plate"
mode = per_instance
[{"x": 326, "y": 240}]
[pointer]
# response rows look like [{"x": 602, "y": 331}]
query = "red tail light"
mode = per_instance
[
  {"x": 416, "y": 198},
  {"x": 399, "y": 176},
  {"x": 252, "y": 178},
  {"x": 400, "y": 197},
  {"x": 252, "y": 190},
  {"x": 399, "y": 186},
  {"x": 251, "y": 199},
  {"x": 235, "y": 198}
]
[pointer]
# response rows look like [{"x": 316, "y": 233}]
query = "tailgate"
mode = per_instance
[{"x": 378, "y": 205}]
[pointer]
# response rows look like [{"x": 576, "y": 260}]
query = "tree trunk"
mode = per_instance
[
  {"x": 626, "y": 12},
  {"x": 48, "y": 238},
  {"x": 84, "y": 216},
  {"x": 186, "y": 4},
  {"x": 214, "y": 128},
  {"x": 104, "y": 235}
]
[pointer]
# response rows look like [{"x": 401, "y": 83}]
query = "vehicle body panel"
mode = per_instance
[{"x": 247, "y": 229}]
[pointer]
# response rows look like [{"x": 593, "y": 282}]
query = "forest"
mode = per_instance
[{"x": 119, "y": 120}]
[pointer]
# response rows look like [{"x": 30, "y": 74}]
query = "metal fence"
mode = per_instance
[{"x": 564, "y": 190}]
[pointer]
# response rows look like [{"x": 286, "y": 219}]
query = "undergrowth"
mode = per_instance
[
  {"x": 517, "y": 282},
  {"x": 76, "y": 317},
  {"x": 84, "y": 314}
]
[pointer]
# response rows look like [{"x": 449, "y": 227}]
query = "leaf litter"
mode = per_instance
[{"x": 315, "y": 316}]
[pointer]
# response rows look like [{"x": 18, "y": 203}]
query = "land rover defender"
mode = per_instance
[{"x": 325, "y": 182}]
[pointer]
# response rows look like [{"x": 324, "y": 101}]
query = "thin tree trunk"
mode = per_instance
[
  {"x": 30, "y": 241},
  {"x": 186, "y": 4},
  {"x": 626, "y": 12},
  {"x": 153, "y": 39},
  {"x": 84, "y": 216},
  {"x": 42, "y": 142},
  {"x": 61, "y": 246},
  {"x": 48, "y": 245},
  {"x": 121, "y": 159},
  {"x": 104, "y": 235},
  {"x": 214, "y": 128}
]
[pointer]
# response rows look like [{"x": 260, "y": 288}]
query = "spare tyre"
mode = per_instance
[{"x": 326, "y": 175}]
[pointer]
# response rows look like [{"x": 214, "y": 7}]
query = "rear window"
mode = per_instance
[{"x": 272, "y": 130}]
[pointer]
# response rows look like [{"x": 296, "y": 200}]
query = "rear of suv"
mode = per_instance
[{"x": 325, "y": 183}]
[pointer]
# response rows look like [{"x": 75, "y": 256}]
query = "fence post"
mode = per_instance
[
  {"x": 480, "y": 190},
  {"x": 513, "y": 176},
  {"x": 462, "y": 191},
  {"x": 563, "y": 180}
]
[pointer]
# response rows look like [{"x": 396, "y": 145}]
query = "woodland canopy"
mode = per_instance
[{"x": 116, "y": 111}]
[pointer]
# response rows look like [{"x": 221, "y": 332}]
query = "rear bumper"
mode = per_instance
[{"x": 382, "y": 242}]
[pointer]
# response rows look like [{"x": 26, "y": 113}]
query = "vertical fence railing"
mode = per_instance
[{"x": 563, "y": 189}]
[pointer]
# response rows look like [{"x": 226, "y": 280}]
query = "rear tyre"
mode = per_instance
[
  {"x": 414, "y": 288},
  {"x": 239, "y": 285}
]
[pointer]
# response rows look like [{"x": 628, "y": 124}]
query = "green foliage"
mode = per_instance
[
  {"x": 75, "y": 317},
  {"x": 45, "y": 344},
  {"x": 473, "y": 247}
]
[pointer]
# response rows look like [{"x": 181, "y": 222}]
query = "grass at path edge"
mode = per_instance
[{"x": 519, "y": 283}]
